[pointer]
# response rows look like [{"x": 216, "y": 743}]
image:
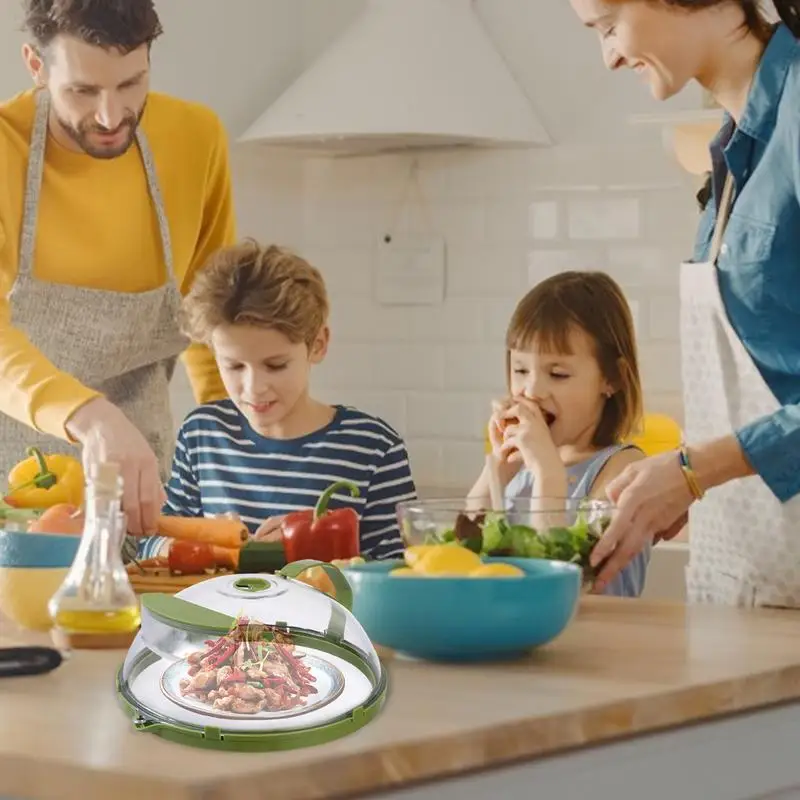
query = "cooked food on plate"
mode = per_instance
[{"x": 247, "y": 672}]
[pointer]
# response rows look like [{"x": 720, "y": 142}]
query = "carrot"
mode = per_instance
[{"x": 219, "y": 531}]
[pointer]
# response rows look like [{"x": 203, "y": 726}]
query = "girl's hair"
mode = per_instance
[
  {"x": 593, "y": 303},
  {"x": 251, "y": 284}
]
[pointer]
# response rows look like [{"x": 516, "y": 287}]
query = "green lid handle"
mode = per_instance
[
  {"x": 343, "y": 594},
  {"x": 251, "y": 584}
]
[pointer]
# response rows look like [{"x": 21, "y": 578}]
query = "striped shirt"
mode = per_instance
[{"x": 222, "y": 465}]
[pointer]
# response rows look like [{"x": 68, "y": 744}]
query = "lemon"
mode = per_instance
[
  {"x": 448, "y": 560},
  {"x": 497, "y": 571},
  {"x": 404, "y": 572},
  {"x": 416, "y": 552}
]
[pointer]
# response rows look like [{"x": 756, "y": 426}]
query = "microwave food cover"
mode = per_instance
[{"x": 252, "y": 662}]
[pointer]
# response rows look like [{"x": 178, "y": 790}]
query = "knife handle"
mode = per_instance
[{"x": 19, "y": 661}]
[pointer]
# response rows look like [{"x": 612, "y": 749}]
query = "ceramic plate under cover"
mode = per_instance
[
  {"x": 145, "y": 687},
  {"x": 329, "y": 685}
]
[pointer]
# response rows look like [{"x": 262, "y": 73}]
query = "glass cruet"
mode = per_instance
[{"x": 96, "y": 606}]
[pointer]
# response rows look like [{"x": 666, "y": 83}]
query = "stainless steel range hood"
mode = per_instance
[{"x": 407, "y": 74}]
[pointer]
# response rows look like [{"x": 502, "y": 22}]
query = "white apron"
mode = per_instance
[
  {"x": 744, "y": 545},
  {"x": 124, "y": 345}
]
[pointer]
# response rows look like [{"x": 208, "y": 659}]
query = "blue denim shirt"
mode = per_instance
[{"x": 759, "y": 268}]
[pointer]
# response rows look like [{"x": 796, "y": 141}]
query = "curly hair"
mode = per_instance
[{"x": 249, "y": 284}]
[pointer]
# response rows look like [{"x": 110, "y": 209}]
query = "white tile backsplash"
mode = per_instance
[
  {"x": 605, "y": 218},
  {"x": 543, "y": 219},
  {"x": 510, "y": 219}
]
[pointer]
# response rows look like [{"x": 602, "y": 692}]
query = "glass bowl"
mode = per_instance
[{"x": 557, "y": 529}]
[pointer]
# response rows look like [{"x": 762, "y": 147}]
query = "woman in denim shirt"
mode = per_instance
[{"x": 740, "y": 303}]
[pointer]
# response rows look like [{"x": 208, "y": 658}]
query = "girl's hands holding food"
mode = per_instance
[
  {"x": 652, "y": 500},
  {"x": 269, "y": 530},
  {"x": 497, "y": 426},
  {"x": 527, "y": 438}
]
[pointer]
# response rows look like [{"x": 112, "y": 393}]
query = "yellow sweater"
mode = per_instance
[{"x": 95, "y": 229}]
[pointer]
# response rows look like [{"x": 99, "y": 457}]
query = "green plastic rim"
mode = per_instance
[{"x": 217, "y": 738}]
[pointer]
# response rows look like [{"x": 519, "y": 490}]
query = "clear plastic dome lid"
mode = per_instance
[{"x": 253, "y": 651}]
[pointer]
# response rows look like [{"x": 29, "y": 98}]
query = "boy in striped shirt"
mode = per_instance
[{"x": 271, "y": 448}]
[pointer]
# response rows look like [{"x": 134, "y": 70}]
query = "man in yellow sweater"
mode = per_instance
[{"x": 112, "y": 197}]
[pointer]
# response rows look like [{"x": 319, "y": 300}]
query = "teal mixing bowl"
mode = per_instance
[
  {"x": 461, "y": 619},
  {"x": 32, "y": 567}
]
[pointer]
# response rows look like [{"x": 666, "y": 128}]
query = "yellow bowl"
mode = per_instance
[{"x": 25, "y": 593}]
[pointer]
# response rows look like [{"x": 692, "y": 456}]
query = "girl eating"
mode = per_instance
[{"x": 574, "y": 396}]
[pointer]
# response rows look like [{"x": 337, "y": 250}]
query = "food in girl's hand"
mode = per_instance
[
  {"x": 506, "y": 422},
  {"x": 451, "y": 560},
  {"x": 43, "y": 481},
  {"x": 63, "y": 518},
  {"x": 247, "y": 671}
]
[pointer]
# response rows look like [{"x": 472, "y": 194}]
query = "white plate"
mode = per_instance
[{"x": 329, "y": 685}]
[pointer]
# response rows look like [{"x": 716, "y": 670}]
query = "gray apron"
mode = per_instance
[
  {"x": 124, "y": 345},
  {"x": 744, "y": 547}
]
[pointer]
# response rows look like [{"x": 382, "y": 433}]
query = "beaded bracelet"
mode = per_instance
[{"x": 689, "y": 474}]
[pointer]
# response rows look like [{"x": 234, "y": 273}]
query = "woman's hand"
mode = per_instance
[
  {"x": 527, "y": 437},
  {"x": 269, "y": 530},
  {"x": 652, "y": 499}
]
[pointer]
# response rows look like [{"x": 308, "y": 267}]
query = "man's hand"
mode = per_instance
[{"x": 106, "y": 434}]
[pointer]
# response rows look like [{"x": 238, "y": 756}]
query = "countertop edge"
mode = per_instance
[{"x": 441, "y": 757}]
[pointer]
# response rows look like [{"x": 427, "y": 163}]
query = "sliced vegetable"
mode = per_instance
[{"x": 195, "y": 558}]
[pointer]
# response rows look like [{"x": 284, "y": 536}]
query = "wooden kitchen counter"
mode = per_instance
[{"x": 623, "y": 667}]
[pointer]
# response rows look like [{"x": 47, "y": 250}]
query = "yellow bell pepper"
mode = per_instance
[{"x": 45, "y": 481}]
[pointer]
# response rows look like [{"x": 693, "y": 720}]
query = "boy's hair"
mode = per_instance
[
  {"x": 123, "y": 25},
  {"x": 248, "y": 284},
  {"x": 595, "y": 304}
]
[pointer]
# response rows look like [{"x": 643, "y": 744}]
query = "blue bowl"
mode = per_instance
[
  {"x": 465, "y": 618},
  {"x": 37, "y": 549}
]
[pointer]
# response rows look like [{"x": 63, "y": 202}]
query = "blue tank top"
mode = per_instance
[{"x": 580, "y": 478}]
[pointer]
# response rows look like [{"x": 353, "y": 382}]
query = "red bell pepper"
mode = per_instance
[{"x": 321, "y": 534}]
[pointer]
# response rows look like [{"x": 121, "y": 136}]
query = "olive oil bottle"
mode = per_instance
[{"x": 95, "y": 606}]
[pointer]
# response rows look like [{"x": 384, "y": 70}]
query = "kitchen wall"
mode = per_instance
[{"x": 604, "y": 196}]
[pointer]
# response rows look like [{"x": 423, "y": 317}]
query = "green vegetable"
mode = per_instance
[
  {"x": 493, "y": 534},
  {"x": 496, "y": 534}
]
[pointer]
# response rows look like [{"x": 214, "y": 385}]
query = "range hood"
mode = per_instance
[{"x": 407, "y": 74}]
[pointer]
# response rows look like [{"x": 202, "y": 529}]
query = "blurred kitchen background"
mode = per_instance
[{"x": 420, "y": 342}]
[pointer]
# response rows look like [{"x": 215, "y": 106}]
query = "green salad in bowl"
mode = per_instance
[{"x": 551, "y": 528}]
